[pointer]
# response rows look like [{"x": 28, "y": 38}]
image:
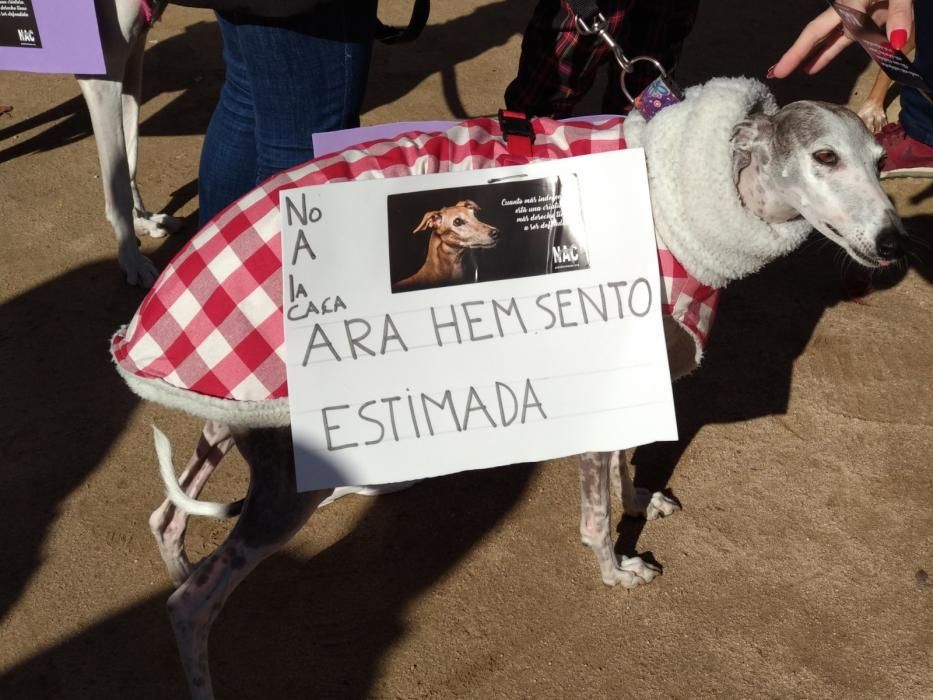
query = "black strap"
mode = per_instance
[{"x": 401, "y": 35}]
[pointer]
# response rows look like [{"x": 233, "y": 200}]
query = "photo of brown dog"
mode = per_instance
[{"x": 453, "y": 230}]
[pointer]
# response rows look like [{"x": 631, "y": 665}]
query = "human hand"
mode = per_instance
[{"x": 823, "y": 38}]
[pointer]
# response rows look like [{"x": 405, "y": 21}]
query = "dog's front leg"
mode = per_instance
[
  {"x": 637, "y": 501},
  {"x": 595, "y": 513},
  {"x": 144, "y": 221},
  {"x": 168, "y": 522},
  {"x": 104, "y": 100}
]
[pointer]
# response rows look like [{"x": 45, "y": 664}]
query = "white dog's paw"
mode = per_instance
[
  {"x": 631, "y": 572},
  {"x": 139, "y": 270},
  {"x": 660, "y": 506},
  {"x": 873, "y": 117},
  {"x": 155, "y": 225},
  {"x": 651, "y": 506}
]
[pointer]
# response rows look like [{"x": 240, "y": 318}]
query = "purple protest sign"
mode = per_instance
[{"x": 50, "y": 36}]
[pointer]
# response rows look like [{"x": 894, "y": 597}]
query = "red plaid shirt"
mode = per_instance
[
  {"x": 558, "y": 65},
  {"x": 213, "y": 323}
]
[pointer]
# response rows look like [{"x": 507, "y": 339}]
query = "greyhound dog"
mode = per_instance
[
  {"x": 454, "y": 230},
  {"x": 113, "y": 101},
  {"x": 808, "y": 165}
]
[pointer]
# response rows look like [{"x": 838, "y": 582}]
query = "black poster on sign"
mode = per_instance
[
  {"x": 18, "y": 26},
  {"x": 483, "y": 233}
]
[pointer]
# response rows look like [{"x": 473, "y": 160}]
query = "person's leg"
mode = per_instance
[
  {"x": 228, "y": 155},
  {"x": 917, "y": 110},
  {"x": 655, "y": 28},
  {"x": 909, "y": 141},
  {"x": 557, "y": 66},
  {"x": 307, "y": 74}
]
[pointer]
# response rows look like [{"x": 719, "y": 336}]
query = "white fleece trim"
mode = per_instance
[
  {"x": 697, "y": 211},
  {"x": 271, "y": 413}
]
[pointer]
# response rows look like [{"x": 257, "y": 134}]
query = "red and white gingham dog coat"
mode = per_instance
[{"x": 213, "y": 323}]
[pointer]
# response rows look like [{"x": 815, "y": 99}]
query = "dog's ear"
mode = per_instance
[
  {"x": 429, "y": 222},
  {"x": 469, "y": 204},
  {"x": 748, "y": 136}
]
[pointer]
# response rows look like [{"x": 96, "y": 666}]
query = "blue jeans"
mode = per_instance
[
  {"x": 916, "y": 110},
  {"x": 286, "y": 79}
]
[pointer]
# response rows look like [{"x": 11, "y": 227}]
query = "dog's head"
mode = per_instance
[
  {"x": 458, "y": 227},
  {"x": 819, "y": 161}
]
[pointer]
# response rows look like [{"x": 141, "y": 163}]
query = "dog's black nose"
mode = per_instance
[
  {"x": 493, "y": 233},
  {"x": 889, "y": 245}
]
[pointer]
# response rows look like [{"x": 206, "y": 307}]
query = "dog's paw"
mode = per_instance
[
  {"x": 155, "y": 225},
  {"x": 873, "y": 117},
  {"x": 631, "y": 572},
  {"x": 651, "y": 506},
  {"x": 139, "y": 270}
]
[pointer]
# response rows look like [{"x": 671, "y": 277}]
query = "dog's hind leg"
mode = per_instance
[
  {"x": 168, "y": 522},
  {"x": 637, "y": 501},
  {"x": 273, "y": 512},
  {"x": 144, "y": 221},
  {"x": 595, "y": 513}
]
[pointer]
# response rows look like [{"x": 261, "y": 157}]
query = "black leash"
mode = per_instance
[{"x": 401, "y": 35}]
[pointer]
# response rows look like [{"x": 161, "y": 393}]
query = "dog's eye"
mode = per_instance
[
  {"x": 459, "y": 222},
  {"x": 826, "y": 158}
]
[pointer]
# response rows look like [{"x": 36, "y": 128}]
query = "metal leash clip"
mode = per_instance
[
  {"x": 599, "y": 28},
  {"x": 662, "y": 92}
]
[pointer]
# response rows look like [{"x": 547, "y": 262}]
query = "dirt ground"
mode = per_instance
[{"x": 798, "y": 567}]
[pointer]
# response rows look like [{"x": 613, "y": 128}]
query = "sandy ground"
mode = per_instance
[{"x": 796, "y": 569}]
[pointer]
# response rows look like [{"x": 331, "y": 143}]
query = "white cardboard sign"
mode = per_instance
[{"x": 474, "y": 319}]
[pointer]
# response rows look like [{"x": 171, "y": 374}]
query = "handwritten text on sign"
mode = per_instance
[{"x": 468, "y": 320}]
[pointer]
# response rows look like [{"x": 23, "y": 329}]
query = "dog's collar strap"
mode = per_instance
[{"x": 660, "y": 93}]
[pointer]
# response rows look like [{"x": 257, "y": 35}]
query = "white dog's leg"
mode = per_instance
[
  {"x": 168, "y": 523},
  {"x": 637, "y": 501},
  {"x": 105, "y": 102},
  {"x": 595, "y": 513},
  {"x": 121, "y": 28},
  {"x": 144, "y": 221},
  {"x": 273, "y": 512}
]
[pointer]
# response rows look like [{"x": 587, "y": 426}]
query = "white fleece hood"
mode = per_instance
[{"x": 698, "y": 214}]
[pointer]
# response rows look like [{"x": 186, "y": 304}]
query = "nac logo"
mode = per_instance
[
  {"x": 565, "y": 253},
  {"x": 27, "y": 36}
]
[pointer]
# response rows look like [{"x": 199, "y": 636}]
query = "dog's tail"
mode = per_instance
[{"x": 177, "y": 495}]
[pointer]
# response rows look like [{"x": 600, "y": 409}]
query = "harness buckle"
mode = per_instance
[{"x": 518, "y": 132}]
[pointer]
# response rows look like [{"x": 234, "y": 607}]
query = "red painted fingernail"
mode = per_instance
[
  {"x": 898, "y": 39},
  {"x": 771, "y": 72}
]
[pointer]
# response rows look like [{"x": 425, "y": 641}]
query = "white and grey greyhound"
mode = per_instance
[
  {"x": 735, "y": 183},
  {"x": 113, "y": 101}
]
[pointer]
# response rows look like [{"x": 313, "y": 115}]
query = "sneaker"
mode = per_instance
[{"x": 907, "y": 157}]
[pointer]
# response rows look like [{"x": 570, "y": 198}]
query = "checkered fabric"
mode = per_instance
[
  {"x": 213, "y": 322},
  {"x": 690, "y": 302}
]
